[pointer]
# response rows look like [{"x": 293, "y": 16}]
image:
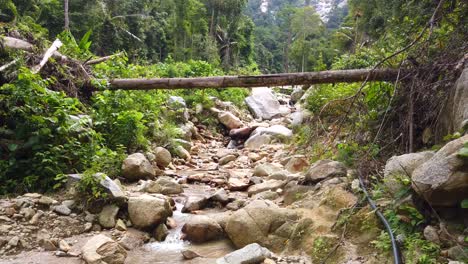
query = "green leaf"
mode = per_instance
[
  {"x": 463, "y": 153},
  {"x": 12, "y": 147},
  {"x": 464, "y": 204}
]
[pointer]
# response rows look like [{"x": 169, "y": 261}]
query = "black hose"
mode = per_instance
[{"x": 395, "y": 248}]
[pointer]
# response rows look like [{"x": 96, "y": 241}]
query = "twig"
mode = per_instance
[
  {"x": 6, "y": 66},
  {"x": 99, "y": 60}
]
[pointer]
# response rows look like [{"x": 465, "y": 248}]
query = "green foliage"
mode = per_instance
[
  {"x": 89, "y": 186},
  {"x": 463, "y": 153}
]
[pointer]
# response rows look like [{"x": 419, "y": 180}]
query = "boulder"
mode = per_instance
[
  {"x": 101, "y": 249},
  {"x": 108, "y": 215},
  {"x": 323, "y": 169},
  {"x": 163, "y": 157},
  {"x": 229, "y": 120},
  {"x": 401, "y": 167},
  {"x": 443, "y": 179},
  {"x": 187, "y": 145},
  {"x": 148, "y": 211},
  {"x": 269, "y": 185},
  {"x": 263, "y": 104},
  {"x": 200, "y": 228},
  {"x": 257, "y": 141},
  {"x": 220, "y": 196},
  {"x": 194, "y": 203},
  {"x": 297, "y": 163},
  {"x": 277, "y": 131},
  {"x": 111, "y": 186},
  {"x": 250, "y": 254},
  {"x": 455, "y": 115},
  {"x": 161, "y": 232},
  {"x": 267, "y": 169},
  {"x": 164, "y": 185},
  {"x": 181, "y": 152},
  {"x": 176, "y": 102},
  {"x": 266, "y": 195},
  {"x": 261, "y": 222},
  {"x": 238, "y": 184},
  {"x": 136, "y": 167},
  {"x": 62, "y": 210},
  {"x": 134, "y": 238}
]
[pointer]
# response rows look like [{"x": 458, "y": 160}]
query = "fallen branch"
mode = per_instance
[
  {"x": 49, "y": 53},
  {"x": 14, "y": 43},
  {"x": 103, "y": 59},
  {"x": 6, "y": 66},
  {"x": 269, "y": 80}
]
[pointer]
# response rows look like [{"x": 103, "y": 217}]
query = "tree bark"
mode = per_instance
[
  {"x": 284, "y": 79},
  {"x": 67, "y": 19}
]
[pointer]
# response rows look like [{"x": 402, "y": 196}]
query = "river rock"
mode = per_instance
[
  {"x": 200, "y": 228},
  {"x": 107, "y": 216},
  {"x": 187, "y": 145},
  {"x": 267, "y": 169},
  {"x": 114, "y": 189},
  {"x": 182, "y": 153},
  {"x": 266, "y": 195},
  {"x": 323, "y": 169},
  {"x": 443, "y": 179},
  {"x": 238, "y": 184},
  {"x": 297, "y": 163},
  {"x": 226, "y": 159},
  {"x": 269, "y": 185},
  {"x": 401, "y": 167},
  {"x": 220, "y": 196},
  {"x": 101, "y": 249},
  {"x": 189, "y": 254},
  {"x": 229, "y": 120},
  {"x": 161, "y": 232},
  {"x": 250, "y": 254},
  {"x": 164, "y": 185},
  {"x": 45, "y": 200},
  {"x": 194, "y": 203},
  {"x": 148, "y": 211},
  {"x": 134, "y": 238},
  {"x": 136, "y": 167},
  {"x": 262, "y": 222},
  {"x": 257, "y": 141},
  {"x": 62, "y": 210},
  {"x": 277, "y": 131},
  {"x": 163, "y": 157},
  {"x": 263, "y": 104},
  {"x": 431, "y": 234}
]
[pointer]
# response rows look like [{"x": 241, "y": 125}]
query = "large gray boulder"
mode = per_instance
[
  {"x": 263, "y": 104},
  {"x": 261, "y": 222},
  {"x": 101, "y": 249},
  {"x": 443, "y": 179},
  {"x": 277, "y": 131},
  {"x": 257, "y": 141},
  {"x": 250, "y": 254},
  {"x": 200, "y": 228},
  {"x": 229, "y": 120},
  {"x": 136, "y": 166},
  {"x": 111, "y": 187},
  {"x": 148, "y": 211},
  {"x": 455, "y": 115},
  {"x": 323, "y": 169},
  {"x": 399, "y": 168}
]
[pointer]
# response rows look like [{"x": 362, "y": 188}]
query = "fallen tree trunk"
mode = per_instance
[{"x": 270, "y": 80}]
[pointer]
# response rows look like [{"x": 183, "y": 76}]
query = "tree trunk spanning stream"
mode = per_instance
[{"x": 253, "y": 81}]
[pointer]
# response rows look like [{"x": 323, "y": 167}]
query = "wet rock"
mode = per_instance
[
  {"x": 323, "y": 169},
  {"x": 297, "y": 163},
  {"x": 201, "y": 229},
  {"x": 182, "y": 153},
  {"x": 220, "y": 196},
  {"x": 189, "y": 254},
  {"x": 269, "y": 185},
  {"x": 136, "y": 167},
  {"x": 108, "y": 215},
  {"x": 443, "y": 179},
  {"x": 262, "y": 222},
  {"x": 401, "y": 167},
  {"x": 147, "y": 211},
  {"x": 163, "y": 157},
  {"x": 161, "y": 232},
  {"x": 431, "y": 234},
  {"x": 62, "y": 210},
  {"x": 102, "y": 249},
  {"x": 194, "y": 203},
  {"x": 164, "y": 185},
  {"x": 253, "y": 253},
  {"x": 266, "y": 169},
  {"x": 226, "y": 159},
  {"x": 257, "y": 141},
  {"x": 134, "y": 239},
  {"x": 263, "y": 104},
  {"x": 229, "y": 120}
]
